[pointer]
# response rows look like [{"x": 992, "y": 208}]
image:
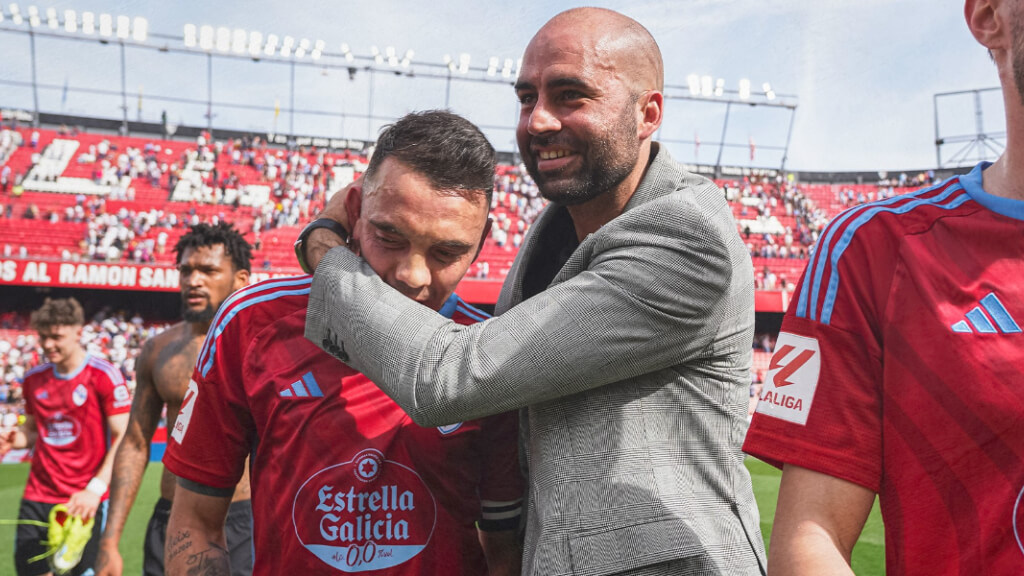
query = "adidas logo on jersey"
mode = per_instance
[
  {"x": 991, "y": 317},
  {"x": 306, "y": 387}
]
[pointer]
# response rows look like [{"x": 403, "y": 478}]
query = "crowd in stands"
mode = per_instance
[
  {"x": 114, "y": 336},
  {"x": 516, "y": 204},
  {"x": 261, "y": 188},
  {"x": 771, "y": 199},
  {"x": 296, "y": 180}
]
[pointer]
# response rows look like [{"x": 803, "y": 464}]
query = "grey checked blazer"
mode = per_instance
[{"x": 632, "y": 369}]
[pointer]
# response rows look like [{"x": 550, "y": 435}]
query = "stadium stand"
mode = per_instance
[
  {"x": 79, "y": 197},
  {"x": 97, "y": 197},
  {"x": 114, "y": 336}
]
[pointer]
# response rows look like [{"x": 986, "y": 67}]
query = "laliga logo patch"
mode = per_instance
[
  {"x": 366, "y": 514},
  {"x": 1018, "y": 521},
  {"x": 80, "y": 395},
  {"x": 792, "y": 379},
  {"x": 61, "y": 430}
]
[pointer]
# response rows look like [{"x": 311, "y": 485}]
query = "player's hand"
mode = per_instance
[
  {"x": 7, "y": 441},
  {"x": 84, "y": 504},
  {"x": 108, "y": 559}
]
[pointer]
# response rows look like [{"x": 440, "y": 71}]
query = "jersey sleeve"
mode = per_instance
[
  {"x": 821, "y": 404},
  {"x": 214, "y": 433},
  {"x": 113, "y": 393},
  {"x": 501, "y": 484}
]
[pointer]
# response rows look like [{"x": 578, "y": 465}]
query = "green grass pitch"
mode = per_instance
[
  {"x": 12, "y": 485},
  {"x": 868, "y": 555}
]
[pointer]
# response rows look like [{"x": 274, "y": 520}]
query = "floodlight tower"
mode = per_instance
[
  {"x": 713, "y": 90},
  {"x": 106, "y": 27},
  {"x": 984, "y": 144}
]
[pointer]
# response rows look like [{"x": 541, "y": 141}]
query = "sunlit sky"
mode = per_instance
[{"x": 864, "y": 72}]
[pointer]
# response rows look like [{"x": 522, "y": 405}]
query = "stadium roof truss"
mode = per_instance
[
  {"x": 223, "y": 42},
  {"x": 968, "y": 148}
]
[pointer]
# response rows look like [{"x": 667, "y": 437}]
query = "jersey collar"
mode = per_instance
[
  {"x": 972, "y": 184},
  {"x": 449, "y": 306},
  {"x": 74, "y": 372}
]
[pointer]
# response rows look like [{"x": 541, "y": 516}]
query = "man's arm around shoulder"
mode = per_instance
[{"x": 590, "y": 330}]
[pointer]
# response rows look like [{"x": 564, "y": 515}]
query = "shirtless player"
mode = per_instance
[{"x": 213, "y": 262}]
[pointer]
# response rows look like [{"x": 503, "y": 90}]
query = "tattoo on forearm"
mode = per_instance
[
  {"x": 178, "y": 544},
  {"x": 210, "y": 562},
  {"x": 124, "y": 487},
  {"x": 182, "y": 559}
]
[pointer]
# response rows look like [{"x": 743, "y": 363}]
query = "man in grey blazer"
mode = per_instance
[{"x": 624, "y": 329}]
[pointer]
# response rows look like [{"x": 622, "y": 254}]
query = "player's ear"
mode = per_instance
[
  {"x": 241, "y": 278},
  {"x": 354, "y": 204},
  {"x": 985, "y": 20},
  {"x": 651, "y": 106}
]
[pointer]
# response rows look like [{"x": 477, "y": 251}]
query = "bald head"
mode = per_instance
[
  {"x": 590, "y": 93},
  {"x": 623, "y": 43}
]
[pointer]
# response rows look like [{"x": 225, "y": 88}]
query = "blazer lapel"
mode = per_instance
[
  {"x": 656, "y": 183},
  {"x": 512, "y": 290}
]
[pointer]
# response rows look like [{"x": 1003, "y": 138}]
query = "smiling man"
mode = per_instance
[
  {"x": 624, "y": 327},
  {"x": 213, "y": 262},
  {"x": 342, "y": 479},
  {"x": 75, "y": 416}
]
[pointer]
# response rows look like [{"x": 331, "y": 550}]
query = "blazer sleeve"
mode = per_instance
[{"x": 653, "y": 296}]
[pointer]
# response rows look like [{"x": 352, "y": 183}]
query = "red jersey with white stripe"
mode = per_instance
[
  {"x": 71, "y": 412},
  {"x": 342, "y": 479},
  {"x": 900, "y": 367}
]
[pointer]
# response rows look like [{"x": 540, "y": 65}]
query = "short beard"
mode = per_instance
[
  {"x": 610, "y": 160},
  {"x": 198, "y": 316}
]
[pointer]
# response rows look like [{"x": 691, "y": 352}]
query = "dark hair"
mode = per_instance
[
  {"x": 447, "y": 149},
  {"x": 57, "y": 312},
  {"x": 202, "y": 235}
]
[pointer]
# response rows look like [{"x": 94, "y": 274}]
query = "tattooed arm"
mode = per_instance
[
  {"x": 130, "y": 462},
  {"x": 195, "y": 533}
]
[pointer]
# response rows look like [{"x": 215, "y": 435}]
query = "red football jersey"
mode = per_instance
[
  {"x": 342, "y": 479},
  {"x": 900, "y": 367},
  {"x": 71, "y": 413}
]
